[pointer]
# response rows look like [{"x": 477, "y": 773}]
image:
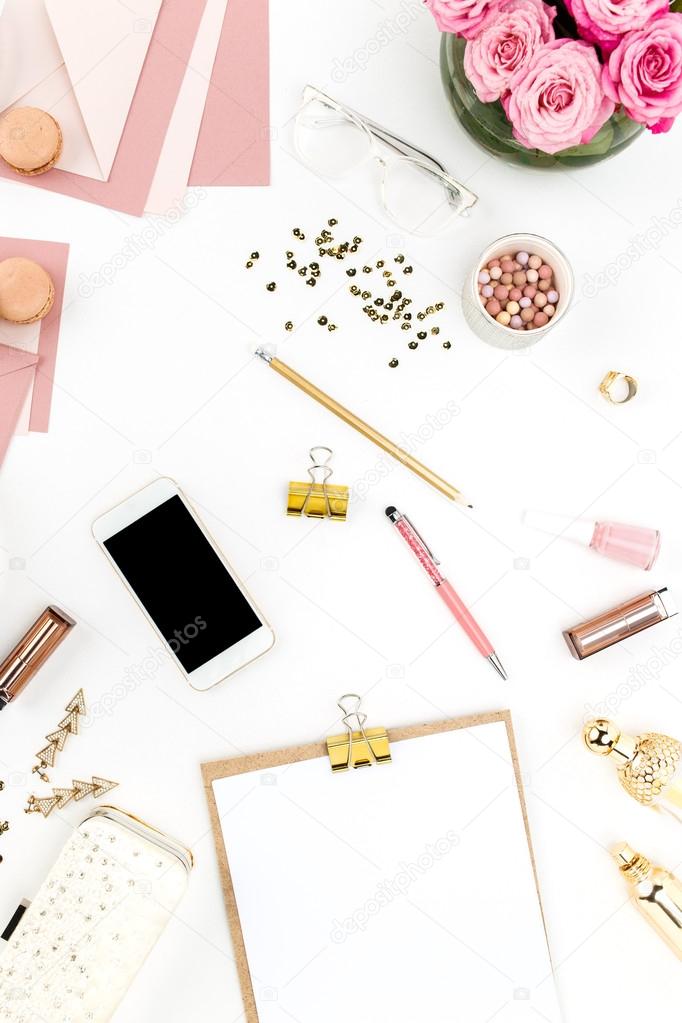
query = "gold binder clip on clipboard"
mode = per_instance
[
  {"x": 317, "y": 499},
  {"x": 359, "y": 746}
]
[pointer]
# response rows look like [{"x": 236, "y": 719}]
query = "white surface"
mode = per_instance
[
  {"x": 154, "y": 377},
  {"x": 408, "y": 887}
]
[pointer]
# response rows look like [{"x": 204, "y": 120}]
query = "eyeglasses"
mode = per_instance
[{"x": 416, "y": 190}]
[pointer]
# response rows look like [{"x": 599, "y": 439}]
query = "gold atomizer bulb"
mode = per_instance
[
  {"x": 656, "y": 892},
  {"x": 649, "y": 766}
]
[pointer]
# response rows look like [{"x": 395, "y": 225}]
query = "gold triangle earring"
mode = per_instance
[
  {"x": 61, "y": 797},
  {"x": 68, "y": 726}
]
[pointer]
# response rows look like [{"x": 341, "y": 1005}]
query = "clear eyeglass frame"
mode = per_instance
[{"x": 417, "y": 192}]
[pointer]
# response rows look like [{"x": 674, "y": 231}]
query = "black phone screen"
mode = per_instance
[{"x": 182, "y": 583}]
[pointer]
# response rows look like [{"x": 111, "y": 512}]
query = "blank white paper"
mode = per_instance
[{"x": 401, "y": 893}]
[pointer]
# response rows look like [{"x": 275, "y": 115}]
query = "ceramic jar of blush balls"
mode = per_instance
[{"x": 500, "y": 268}]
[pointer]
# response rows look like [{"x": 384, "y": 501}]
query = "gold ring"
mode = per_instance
[{"x": 610, "y": 379}]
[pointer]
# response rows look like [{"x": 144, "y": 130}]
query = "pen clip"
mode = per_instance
[{"x": 421, "y": 540}]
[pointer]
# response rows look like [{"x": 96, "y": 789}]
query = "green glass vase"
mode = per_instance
[{"x": 487, "y": 123}]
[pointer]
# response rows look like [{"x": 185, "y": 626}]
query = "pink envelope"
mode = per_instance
[
  {"x": 16, "y": 374},
  {"x": 82, "y": 62},
  {"x": 53, "y": 256},
  {"x": 234, "y": 141},
  {"x": 150, "y": 113}
]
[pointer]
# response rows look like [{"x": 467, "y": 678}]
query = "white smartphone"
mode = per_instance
[{"x": 183, "y": 583}]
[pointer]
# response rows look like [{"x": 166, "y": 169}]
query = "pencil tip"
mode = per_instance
[{"x": 470, "y": 506}]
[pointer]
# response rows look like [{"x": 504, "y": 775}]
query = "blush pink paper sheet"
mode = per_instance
[
  {"x": 16, "y": 374},
  {"x": 234, "y": 141},
  {"x": 53, "y": 256},
  {"x": 150, "y": 112}
]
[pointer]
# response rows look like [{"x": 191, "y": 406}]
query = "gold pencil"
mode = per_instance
[{"x": 364, "y": 428}]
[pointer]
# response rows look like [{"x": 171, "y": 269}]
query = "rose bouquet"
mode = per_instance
[{"x": 566, "y": 74}]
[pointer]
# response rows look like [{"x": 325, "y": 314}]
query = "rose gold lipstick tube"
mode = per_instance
[
  {"x": 619, "y": 623},
  {"x": 31, "y": 652}
]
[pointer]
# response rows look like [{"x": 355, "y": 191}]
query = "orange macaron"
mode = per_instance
[
  {"x": 30, "y": 140},
  {"x": 26, "y": 290}
]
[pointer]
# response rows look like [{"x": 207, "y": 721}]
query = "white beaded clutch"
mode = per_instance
[{"x": 75, "y": 951}]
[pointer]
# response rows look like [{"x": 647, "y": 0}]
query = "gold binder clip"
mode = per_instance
[
  {"x": 359, "y": 746},
  {"x": 317, "y": 499}
]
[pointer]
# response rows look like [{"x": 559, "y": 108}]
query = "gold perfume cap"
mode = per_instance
[
  {"x": 630, "y": 863},
  {"x": 647, "y": 764},
  {"x": 605, "y": 738}
]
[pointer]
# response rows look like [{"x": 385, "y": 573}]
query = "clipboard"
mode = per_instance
[{"x": 270, "y": 769}]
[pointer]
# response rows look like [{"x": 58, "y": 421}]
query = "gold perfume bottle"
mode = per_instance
[
  {"x": 656, "y": 892},
  {"x": 649, "y": 765}
]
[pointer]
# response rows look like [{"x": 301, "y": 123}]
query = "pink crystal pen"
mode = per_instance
[{"x": 443, "y": 588}]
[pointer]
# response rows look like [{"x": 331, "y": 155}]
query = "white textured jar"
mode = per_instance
[{"x": 488, "y": 329}]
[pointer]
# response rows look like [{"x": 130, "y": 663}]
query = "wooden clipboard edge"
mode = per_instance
[{"x": 216, "y": 769}]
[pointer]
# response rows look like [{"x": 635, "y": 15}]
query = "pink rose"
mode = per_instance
[
  {"x": 506, "y": 43},
  {"x": 605, "y": 22},
  {"x": 644, "y": 73},
  {"x": 463, "y": 17},
  {"x": 557, "y": 99}
]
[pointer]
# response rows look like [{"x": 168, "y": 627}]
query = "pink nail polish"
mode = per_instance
[{"x": 634, "y": 545}]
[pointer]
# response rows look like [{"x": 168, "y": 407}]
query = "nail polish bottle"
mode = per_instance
[
  {"x": 635, "y": 545},
  {"x": 656, "y": 892},
  {"x": 649, "y": 766}
]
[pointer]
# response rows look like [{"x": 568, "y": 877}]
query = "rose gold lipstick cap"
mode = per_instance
[
  {"x": 619, "y": 623},
  {"x": 31, "y": 652}
]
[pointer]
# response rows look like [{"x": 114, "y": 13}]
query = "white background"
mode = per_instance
[{"x": 154, "y": 377}]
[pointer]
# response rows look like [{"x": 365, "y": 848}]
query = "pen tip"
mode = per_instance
[
  {"x": 470, "y": 506},
  {"x": 389, "y": 511},
  {"x": 497, "y": 665}
]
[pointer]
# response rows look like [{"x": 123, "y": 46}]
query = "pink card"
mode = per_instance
[
  {"x": 150, "y": 113},
  {"x": 16, "y": 374},
  {"x": 53, "y": 256},
  {"x": 234, "y": 142}
]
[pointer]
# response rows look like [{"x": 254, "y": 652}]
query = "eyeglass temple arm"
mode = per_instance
[{"x": 400, "y": 145}]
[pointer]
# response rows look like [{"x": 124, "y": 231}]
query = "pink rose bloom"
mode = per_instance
[
  {"x": 463, "y": 17},
  {"x": 605, "y": 22},
  {"x": 506, "y": 42},
  {"x": 557, "y": 100},
  {"x": 644, "y": 73}
]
